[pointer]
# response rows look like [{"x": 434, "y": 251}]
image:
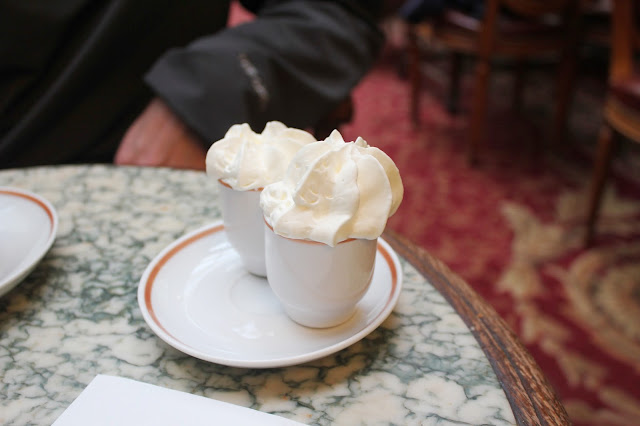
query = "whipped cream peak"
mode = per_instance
[
  {"x": 334, "y": 190},
  {"x": 246, "y": 160}
]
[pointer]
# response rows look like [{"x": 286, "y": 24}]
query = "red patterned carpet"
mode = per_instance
[{"x": 512, "y": 227}]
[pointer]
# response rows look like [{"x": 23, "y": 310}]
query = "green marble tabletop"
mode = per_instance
[{"x": 76, "y": 316}]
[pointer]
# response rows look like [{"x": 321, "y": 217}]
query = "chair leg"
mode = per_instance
[
  {"x": 518, "y": 85},
  {"x": 453, "y": 103},
  {"x": 601, "y": 168},
  {"x": 413, "y": 64},
  {"x": 479, "y": 108}
]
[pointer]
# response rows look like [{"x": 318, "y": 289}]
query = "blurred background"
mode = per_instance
[{"x": 502, "y": 145}]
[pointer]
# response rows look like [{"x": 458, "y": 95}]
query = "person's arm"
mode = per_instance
[
  {"x": 293, "y": 63},
  {"x": 159, "y": 138}
]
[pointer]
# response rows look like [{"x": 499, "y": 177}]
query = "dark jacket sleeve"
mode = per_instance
[{"x": 293, "y": 63}]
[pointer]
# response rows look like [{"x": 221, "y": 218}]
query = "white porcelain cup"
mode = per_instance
[
  {"x": 318, "y": 285},
  {"x": 243, "y": 224}
]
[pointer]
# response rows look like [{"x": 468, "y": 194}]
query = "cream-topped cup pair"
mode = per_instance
[{"x": 306, "y": 212}]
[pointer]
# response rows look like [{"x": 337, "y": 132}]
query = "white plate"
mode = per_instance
[
  {"x": 28, "y": 225},
  {"x": 196, "y": 296}
]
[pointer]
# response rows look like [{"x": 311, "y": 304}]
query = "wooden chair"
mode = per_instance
[
  {"x": 530, "y": 34},
  {"x": 621, "y": 112}
]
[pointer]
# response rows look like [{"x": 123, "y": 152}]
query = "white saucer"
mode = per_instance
[
  {"x": 196, "y": 296},
  {"x": 28, "y": 225}
]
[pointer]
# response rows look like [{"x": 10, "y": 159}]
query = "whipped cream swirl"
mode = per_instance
[
  {"x": 246, "y": 160},
  {"x": 334, "y": 190}
]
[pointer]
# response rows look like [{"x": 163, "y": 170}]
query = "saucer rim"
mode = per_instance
[
  {"x": 156, "y": 264},
  {"x": 16, "y": 277}
]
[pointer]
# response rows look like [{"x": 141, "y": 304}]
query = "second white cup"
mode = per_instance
[{"x": 243, "y": 224}]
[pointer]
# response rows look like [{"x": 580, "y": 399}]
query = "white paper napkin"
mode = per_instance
[{"x": 109, "y": 400}]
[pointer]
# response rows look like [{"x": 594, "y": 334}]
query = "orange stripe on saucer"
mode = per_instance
[
  {"x": 394, "y": 275},
  {"x": 32, "y": 199},
  {"x": 156, "y": 269},
  {"x": 162, "y": 262}
]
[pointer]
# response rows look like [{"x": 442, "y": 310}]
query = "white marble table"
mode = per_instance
[{"x": 76, "y": 316}]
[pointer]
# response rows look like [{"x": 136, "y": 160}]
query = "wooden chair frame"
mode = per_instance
[{"x": 485, "y": 44}]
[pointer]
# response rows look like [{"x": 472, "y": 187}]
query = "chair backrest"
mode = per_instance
[
  {"x": 566, "y": 10},
  {"x": 537, "y": 7}
]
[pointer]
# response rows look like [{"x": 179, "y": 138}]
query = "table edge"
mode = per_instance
[{"x": 531, "y": 397}]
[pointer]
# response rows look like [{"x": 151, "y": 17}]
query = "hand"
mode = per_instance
[{"x": 159, "y": 138}]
